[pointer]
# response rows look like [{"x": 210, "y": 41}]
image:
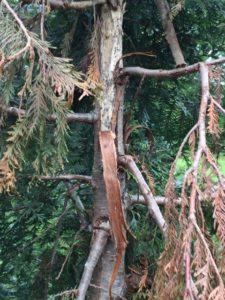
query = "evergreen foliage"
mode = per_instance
[{"x": 40, "y": 225}]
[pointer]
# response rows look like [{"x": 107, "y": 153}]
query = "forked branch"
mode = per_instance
[
  {"x": 192, "y": 175},
  {"x": 191, "y": 179},
  {"x": 189, "y": 245}
]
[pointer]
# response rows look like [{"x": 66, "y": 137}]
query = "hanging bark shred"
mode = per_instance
[{"x": 115, "y": 210}]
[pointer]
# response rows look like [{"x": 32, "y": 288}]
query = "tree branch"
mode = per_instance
[
  {"x": 153, "y": 208},
  {"x": 99, "y": 241},
  {"x": 65, "y": 177},
  {"x": 167, "y": 74},
  {"x": 220, "y": 108},
  {"x": 28, "y": 45},
  {"x": 169, "y": 30},
  {"x": 192, "y": 175},
  {"x": 70, "y": 117},
  {"x": 60, "y": 4},
  {"x": 139, "y": 199},
  {"x": 85, "y": 4}
]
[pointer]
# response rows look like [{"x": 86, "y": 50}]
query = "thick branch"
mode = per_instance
[
  {"x": 169, "y": 30},
  {"x": 85, "y": 4},
  {"x": 99, "y": 242},
  {"x": 139, "y": 199},
  {"x": 60, "y": 4},
  {"x": 70, "y": 117},
  {"x": 67, "y": 4},
  {"x": 167, "y": 74},
  {"x": 66, "y": 177},
  {"x": 153, "y": 208}
]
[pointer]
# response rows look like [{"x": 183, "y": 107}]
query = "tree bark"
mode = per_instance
[{"x": 110, "y": 53}]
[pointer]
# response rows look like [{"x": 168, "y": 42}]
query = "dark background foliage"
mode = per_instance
[{"x": 33, "y": 245}]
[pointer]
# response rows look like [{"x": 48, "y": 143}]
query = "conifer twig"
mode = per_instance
[{"x": 23, "y": 28}]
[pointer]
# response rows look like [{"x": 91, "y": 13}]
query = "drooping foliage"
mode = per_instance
[
  {"x": 46, "y": 90},
  {"x": 39, "y": 232}
]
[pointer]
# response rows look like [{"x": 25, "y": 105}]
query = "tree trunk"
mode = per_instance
[{"x": 110, "y": 54}]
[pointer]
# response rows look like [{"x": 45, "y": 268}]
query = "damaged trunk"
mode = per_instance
[{"x": 110, "y": 54}]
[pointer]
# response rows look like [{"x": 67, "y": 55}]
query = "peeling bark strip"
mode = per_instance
[
  {"x": 171, "y": 37},
  {"x": 115, "y": 210}
]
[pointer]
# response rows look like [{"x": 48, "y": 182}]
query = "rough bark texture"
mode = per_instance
[{"x": 110, "y": 53}]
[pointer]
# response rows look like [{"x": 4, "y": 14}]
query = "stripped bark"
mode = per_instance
[
  {"x": 169, "y": 30},
  {"x": 153, "y": 207},
  {"x": 110, "y": 50},
  {"x": 115, "y": 210},
  {"x": 100, "y": 238}
]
